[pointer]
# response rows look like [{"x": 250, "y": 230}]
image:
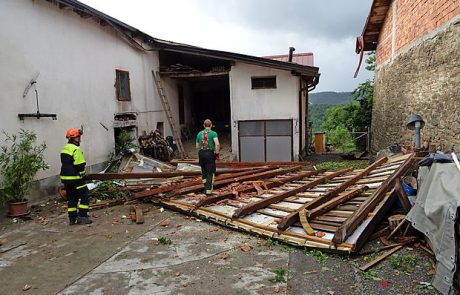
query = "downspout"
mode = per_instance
[{"x": 308, "y": 88}]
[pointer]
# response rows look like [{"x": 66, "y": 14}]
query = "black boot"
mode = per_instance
[{"x": 84, "y": 220}]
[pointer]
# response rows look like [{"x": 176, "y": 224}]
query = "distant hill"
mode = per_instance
[{"x": 329, "y": 97}]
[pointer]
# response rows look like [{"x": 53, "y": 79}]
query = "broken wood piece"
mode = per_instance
[
  {"x": 139, "y": 216},
  {"x": 254, "y": 176},
  {"x": 396, "y": 229},
  {"x": 252, "y": 207},
  {"x": 269, "y": 184},
  {"x": 380, "y": 258},
  {"x": 293, "y": 217},
  {"x": 331, "y": 204},
  {"x": 306, "y": 226},
  {"x": 378, "y": 233},
  {"x": 402, "y": 196},
  {"x": 349, "y": 226},
  {"x": 379, "y": 249}
]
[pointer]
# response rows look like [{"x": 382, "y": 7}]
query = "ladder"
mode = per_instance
[{"x": 167, "y": 109}]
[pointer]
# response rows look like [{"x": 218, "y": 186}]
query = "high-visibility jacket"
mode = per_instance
[{"x": 73, "y": 163}]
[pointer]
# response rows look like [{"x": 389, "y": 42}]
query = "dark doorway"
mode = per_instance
[{"x": 211, "y": 100}]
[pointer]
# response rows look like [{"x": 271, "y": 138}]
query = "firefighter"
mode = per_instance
[
  {"x": 72, "y": 176},
  {"x": 208, "y": 145}
]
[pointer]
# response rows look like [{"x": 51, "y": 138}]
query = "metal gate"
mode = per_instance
[{"x": 265, "y": 140}]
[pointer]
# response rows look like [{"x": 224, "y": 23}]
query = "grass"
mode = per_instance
[
  {"x": 164, "y": 241},
  {"x": 370, "y": 275},
  {"x": 280, "y": 274},
  {"x": 319, "y": 256},
  {"x": 404, "y": 263},
  {"x": 358, "y": 164}
]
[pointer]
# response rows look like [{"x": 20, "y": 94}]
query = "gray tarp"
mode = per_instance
[{"x": 434, "y": 214}]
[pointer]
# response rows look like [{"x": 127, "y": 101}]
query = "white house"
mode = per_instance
[{"x": 90, "y": 70}]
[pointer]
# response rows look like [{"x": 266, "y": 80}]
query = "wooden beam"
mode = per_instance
[
  {"x": 179, "y": 74},
  {"x": 269, "y": 185},
  {"x": 137, "y": 175},
  {"x": 253, "y": 176},
  {"x": 380, "y": 258},
  {"x": 331, "y": 204},
  {"x": 168, "y": 188},
  {"x": 294, "y": 216},
  {"x": 252, "y": 207},
  {"x": 352, "y": 223},
  {"x": 342, "y": 187}
]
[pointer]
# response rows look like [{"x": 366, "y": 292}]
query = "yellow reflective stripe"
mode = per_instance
[
  {"x": 208, "y": 191},
  {"x": 80, "y": 206},
  {"x": 71, "y": 209},
  {"x": 82, "y": 172},
  {"x": 76, "y": 177},
  {"x": 81, "y": 186}
]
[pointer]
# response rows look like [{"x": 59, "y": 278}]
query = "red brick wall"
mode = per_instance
[{"x": 414, "y": 19}]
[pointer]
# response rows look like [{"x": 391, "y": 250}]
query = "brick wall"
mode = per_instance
[
  {"x": 423, "y": 80},
  {"x": 409, "y": 20}
]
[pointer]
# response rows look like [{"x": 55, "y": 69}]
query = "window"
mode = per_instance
[
  {"x": 122, "y": 85},
  {"x": 263, "y": 82}
]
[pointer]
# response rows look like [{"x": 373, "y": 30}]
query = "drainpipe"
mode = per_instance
[
  {"x": 291, "y": 50},
  {"x": 310, "y": 87}
]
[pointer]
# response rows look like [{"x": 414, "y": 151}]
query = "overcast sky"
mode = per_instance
[{"x": 258, "y": 27}]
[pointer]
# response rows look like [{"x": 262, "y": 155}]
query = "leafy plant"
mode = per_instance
[
  {"x": 108, "y": 190},
  {"x": 319, "y": 256},
  {"x": 280, "y": 274},
  {"x": 124, "y": 141},
  {"x": 404, "y": 263},
  {"x": 370, "y": 275},
  {"x": 164, "y": 241},
  {"x": 20, "y": 160}
]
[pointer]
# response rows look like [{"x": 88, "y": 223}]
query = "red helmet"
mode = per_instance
[{"x": 73, "y": 132}]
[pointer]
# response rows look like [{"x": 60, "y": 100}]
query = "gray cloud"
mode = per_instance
[{"x": 333, "y": 19}]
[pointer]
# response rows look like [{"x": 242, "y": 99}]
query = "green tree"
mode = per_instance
[{"x": 355, "y": 116}]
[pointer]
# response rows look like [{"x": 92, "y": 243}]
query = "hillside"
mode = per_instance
[{"x": 329, "y": 97}]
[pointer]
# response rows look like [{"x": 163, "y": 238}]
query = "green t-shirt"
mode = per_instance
[{"x": 210, "y": 135}]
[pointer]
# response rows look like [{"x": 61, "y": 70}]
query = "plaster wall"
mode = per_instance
[
  {"x": 246, "y": 103},
  {"x": 76, "y": 59}
]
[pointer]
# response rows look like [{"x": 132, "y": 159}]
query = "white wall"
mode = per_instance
[
  {"x": 263, "y": 104},
  {"x": 76, "y": 58}
]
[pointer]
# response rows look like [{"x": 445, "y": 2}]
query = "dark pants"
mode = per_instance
[
  {"x": 207, "y": 161},
  {"x": 77, "y": 191}
]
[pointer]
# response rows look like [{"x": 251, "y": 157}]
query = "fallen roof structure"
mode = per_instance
[{"x": 335, "y": 210}]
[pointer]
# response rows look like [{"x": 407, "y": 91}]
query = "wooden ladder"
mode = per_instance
[{"x": 167, "y": 109}]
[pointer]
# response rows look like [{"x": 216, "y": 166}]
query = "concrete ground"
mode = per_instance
[{"x": 175, "y": 254}]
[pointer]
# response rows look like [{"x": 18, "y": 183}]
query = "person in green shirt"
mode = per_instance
[{"x": 208, "y": 147}]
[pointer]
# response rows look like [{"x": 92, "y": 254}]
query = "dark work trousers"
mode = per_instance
[
  {"x": 207, "y": 161},
  {"x": 77, "y": 191}
]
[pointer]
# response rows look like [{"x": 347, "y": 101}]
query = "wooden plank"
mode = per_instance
[
  {"x": 380, "y": 258},
  {"x": 254, "y": 176},
  {"x": 352, "y": 223},
  {"x": 139, "y": 216},
  {"x": 306, "y": 226},
  {"x": 252, "y": 207},
  {"x": 331, "y": 204},
  {"x": 291, "y": 218},
  {"x": 269, "y": 184},
  {"x": 195, "y": 182}
]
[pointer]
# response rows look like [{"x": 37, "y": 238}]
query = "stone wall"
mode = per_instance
[{"x": 425, "y": 80}]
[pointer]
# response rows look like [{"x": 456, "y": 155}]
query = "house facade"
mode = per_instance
[
  {"x": 417, "y": 71},
  {"x": 88, "y": 70}
]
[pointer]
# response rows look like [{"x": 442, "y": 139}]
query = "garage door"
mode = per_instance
[{"x": 265, "y": 140}]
